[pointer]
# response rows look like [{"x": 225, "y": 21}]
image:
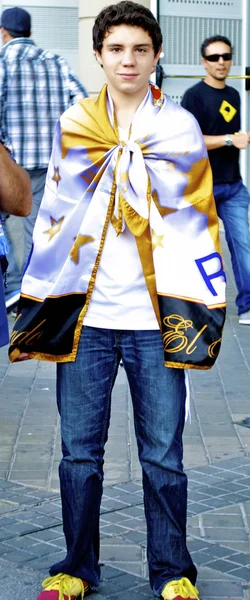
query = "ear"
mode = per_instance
[
  {"x": 4, "y": 35},
  {"x": 98, "y": 57},
  {"x": 204, "y": 63},
  {"x": 156, "y": 58}
]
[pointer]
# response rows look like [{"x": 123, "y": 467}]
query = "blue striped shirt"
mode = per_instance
[{"x": 36, "y": 87}]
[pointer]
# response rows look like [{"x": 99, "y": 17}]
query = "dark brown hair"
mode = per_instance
[
  {"x": 211, "y": 40},
  {"x": 126, "y": 13}
]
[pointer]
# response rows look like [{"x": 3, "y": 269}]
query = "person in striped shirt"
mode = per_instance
[{"x": 36, "y": 87}]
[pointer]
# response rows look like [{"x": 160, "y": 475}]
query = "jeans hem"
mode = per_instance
[{"x": 246, "y": 309}]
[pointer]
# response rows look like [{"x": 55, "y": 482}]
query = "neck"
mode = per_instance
[
  {"x": 6, "y": 37},
  {"x": 216, "y": 83},
  {"x": 126, "y": 105}
]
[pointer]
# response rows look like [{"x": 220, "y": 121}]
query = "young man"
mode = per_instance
[
  {"x": 126, "y": 264},
  {"x": 15, "y": 198},
  {"x": 36, "y": 87},
  {"x": 216, "y": 107}
]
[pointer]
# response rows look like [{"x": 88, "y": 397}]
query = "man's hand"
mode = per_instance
[
  {"x": 23, "y": 356},
  {"x": 17, "y": 356},
  {"x": 240, "y": 140}
]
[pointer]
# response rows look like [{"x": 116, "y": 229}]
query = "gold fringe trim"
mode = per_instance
[
  {"x": 52, "y": 297},
  {"x": 214, "y": 306},
  {"x": 13, "y": 356},
  {"x": 195, "y": 300},
  {"x": 176, "y": 365},
  {"x": 31, "y": 298}
]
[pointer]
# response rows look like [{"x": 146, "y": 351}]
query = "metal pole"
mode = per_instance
[{"x": 202, "y": 76}]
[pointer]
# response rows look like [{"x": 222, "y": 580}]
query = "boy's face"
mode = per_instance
[{"x": 128, "y": 59}]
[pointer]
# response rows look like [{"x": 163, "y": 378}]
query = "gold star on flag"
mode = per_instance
[
  {"x": 80, "y": 240},
  {"x": 55, "y": 227},
  {"x": 157, "y": 240},
  {"x": 56, "y": 176},
  {"x": 163, "y": 210}
]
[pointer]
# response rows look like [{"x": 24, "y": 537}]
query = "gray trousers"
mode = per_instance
[
  {"x": 15, "y": 272},
  {"x": 38, "y": 177}
]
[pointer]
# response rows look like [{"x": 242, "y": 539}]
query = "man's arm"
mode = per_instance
[
  {"x": 192, "y": 103},
  {"x": 15, "y": 186},
  {"x": 4, "y": 139},
  {"x": 77, "y": 89},
  {"x": 239, "y": 140}
]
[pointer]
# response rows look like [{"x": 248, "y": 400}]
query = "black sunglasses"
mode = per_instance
[{"x": 216, "y": 57}]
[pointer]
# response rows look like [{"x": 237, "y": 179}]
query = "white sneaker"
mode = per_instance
[
  {"x": 11, "y": 298},
  {"x": 244, "y": 318}
]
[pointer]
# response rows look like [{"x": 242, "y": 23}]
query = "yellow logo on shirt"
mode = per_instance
[{"x": 227, "y": 111}]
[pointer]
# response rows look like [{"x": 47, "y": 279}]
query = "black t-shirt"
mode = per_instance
[{"x": 217, "y": 112}]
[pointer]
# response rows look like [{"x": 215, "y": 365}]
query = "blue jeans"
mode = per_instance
[
  {"x": 14, "y": 274},
  {"x": 84, "y": 399},
  {"x": 232, "y": 201}
]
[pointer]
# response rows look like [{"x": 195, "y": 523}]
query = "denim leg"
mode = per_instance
[
  {"x": 38, "y": 178},
  {"x": 232, "y": 206},
  {"x": 14, "y": 275},
  {"x": 158, "y": 395},
  {"x": 84, "y": 392}
]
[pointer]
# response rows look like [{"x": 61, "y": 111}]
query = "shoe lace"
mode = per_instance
[
  {"x": 64, "y": 584},
  {"x": 175, "y": 587}
]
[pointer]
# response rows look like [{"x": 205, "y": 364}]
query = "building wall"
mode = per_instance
[
  {"x": 90, "y": 71},
  {"x": 50, "y": 25}
]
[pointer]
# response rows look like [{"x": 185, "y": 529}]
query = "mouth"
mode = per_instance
[{"x": 127, "y": 75}]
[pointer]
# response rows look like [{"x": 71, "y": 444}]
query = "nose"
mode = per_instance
[
  {"x": 221, "y": 60},
  {"x": 128, "y": 58}
]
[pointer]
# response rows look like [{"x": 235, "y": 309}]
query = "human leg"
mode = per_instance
[
  {"x": 158, "y": 395},
  {"x": 14, "y": 275},
  {"x": 232, "y": 203},
  {"x": 38, "y": 177},
  {"x": 84, "y": 392}
]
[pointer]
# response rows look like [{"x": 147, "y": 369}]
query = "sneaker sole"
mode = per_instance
[
  {"x": 13, "y": 300},
  {"x": 244, "y": 322}
]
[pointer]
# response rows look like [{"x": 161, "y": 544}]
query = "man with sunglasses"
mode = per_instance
[{"x": 216, "y": 107}]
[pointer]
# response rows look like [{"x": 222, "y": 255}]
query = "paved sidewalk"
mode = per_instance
[{"x": 216, "y": 456}]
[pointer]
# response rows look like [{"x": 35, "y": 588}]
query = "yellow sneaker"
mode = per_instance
[
  {"x": 180, "y": 589},
  {"x": 63, "y": 587}
]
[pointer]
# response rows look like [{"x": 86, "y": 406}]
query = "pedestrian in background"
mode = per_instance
[
  {"x": 125, "y": 264},
  {"x": 216, "y": 107},
  {"x": 36, "y": 87},
  {"x": 16, "y": 199}
]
